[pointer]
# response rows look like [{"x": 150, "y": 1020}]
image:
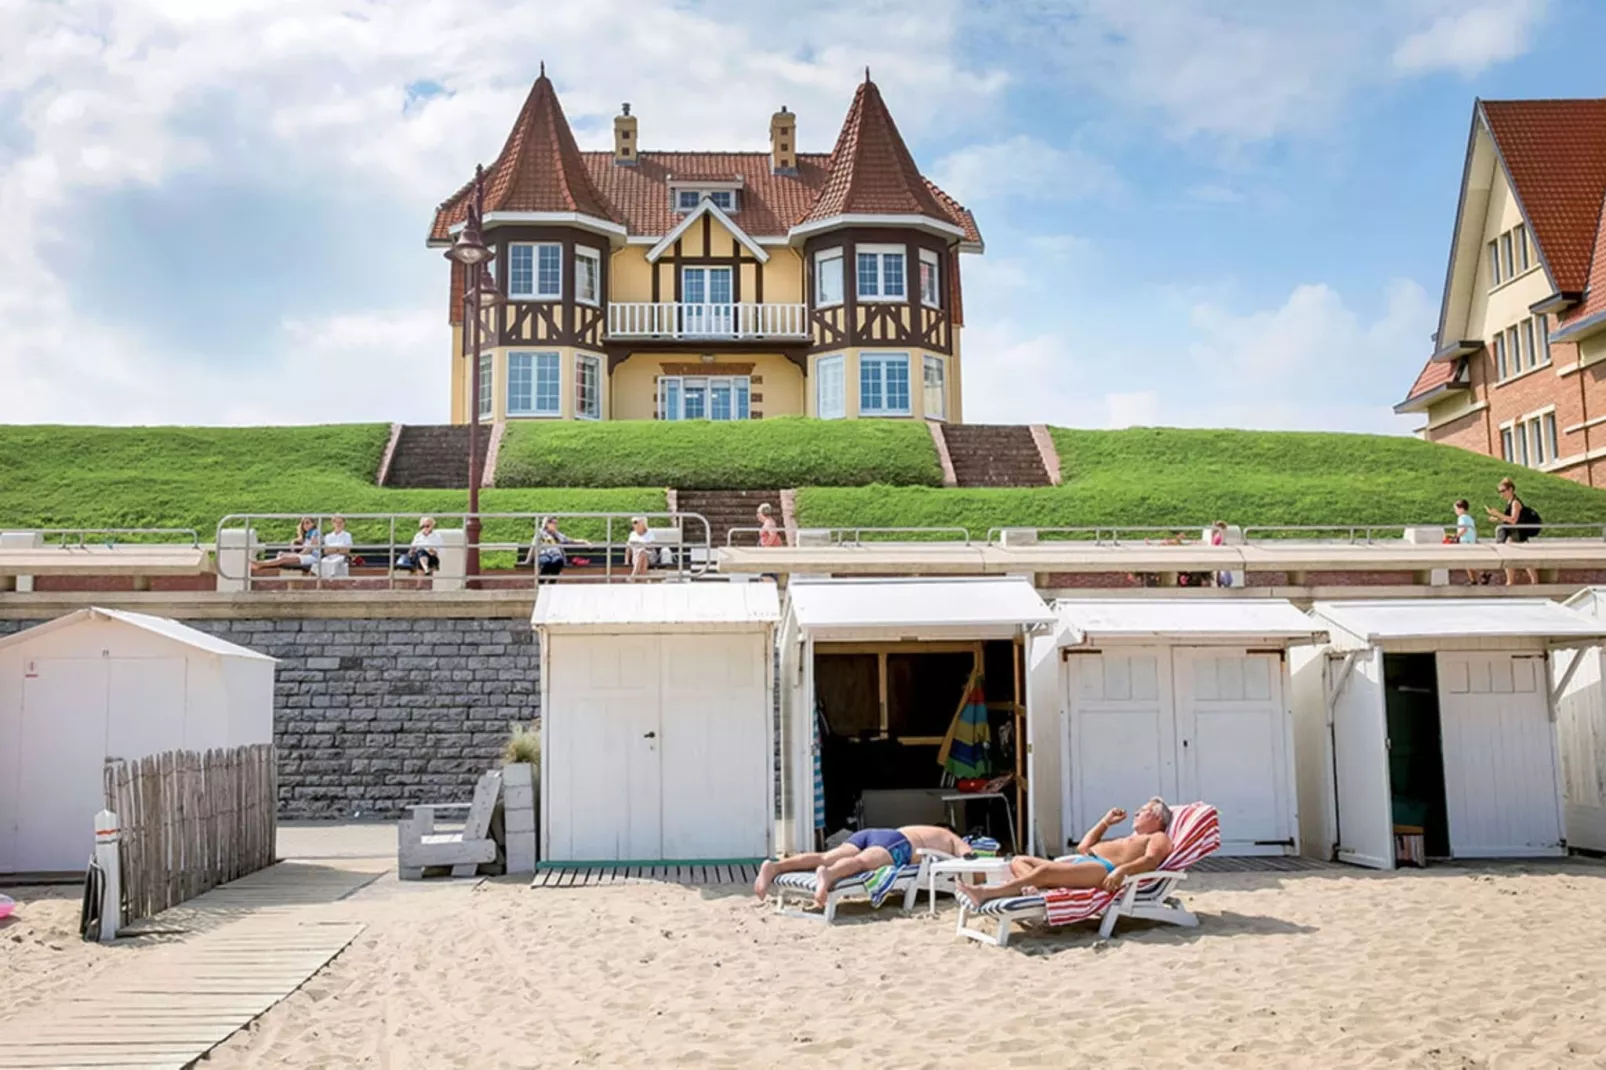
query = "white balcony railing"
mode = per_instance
[{"x": 678, "y": 319}]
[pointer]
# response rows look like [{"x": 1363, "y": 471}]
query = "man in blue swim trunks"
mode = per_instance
[
  {"x": 865, "y": 850},
  {"x": 1097, "y": 863}
]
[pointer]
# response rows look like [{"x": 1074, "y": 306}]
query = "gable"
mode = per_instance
[{"x": 711, "y": 232}]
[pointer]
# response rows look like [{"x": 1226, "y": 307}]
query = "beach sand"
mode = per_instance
[{"x": 1501, "y": 966}]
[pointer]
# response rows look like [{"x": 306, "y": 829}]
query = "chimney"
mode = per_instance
[
  {"x": 783, "y": 142},
  {"x": 624, "y": 138}
]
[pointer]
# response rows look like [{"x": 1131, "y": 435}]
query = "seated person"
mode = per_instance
[
  {"x": 1098, "y": 863},
  {"x": 336, "y": 547},
  {"x": 303, "y": 552},
  {"x": 549, "y": 544},
  {"x": 425, "y": 553},
  {"x": 865, "y": 850},
  {"x": 638, "y": 547}
]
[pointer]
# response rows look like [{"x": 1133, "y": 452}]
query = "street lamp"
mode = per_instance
[{"x": 479, "y": 293}]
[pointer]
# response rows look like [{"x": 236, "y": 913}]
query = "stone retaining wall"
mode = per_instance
[{"x": 371, "y": 715}]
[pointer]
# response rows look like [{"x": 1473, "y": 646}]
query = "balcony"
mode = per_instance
[{"x": 683, "y": 320}]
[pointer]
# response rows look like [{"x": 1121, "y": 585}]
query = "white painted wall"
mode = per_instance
[{"x": 1581, "y": 736}]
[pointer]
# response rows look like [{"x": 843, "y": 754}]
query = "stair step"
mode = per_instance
[
  {"x": 994, "y": 455},
  {"x": 434, "y": 456}
]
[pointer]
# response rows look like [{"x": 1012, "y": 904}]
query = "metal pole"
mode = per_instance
[{"x": 471, "y": 527}]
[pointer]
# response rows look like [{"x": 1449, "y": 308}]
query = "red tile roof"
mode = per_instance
[
  {"x": 1594, "y": 302},
  {"x": 1434, "y": 375},
  {"x": 1555, "y": 153},
  {"x": 870, "y": 171}
]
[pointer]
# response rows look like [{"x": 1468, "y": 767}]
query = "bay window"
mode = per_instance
[
  {"x": 534, "y": 384},
  {"x": 535, "y": 271},
  {"x": 930, "y": 280},
  {"x": 884, "y": 384},
  {"x": 587, "y": 275},
  {"x": 880, "y": 272},
  {"x": 830, "y": 397},
  {"x": 827, "y": 277}
]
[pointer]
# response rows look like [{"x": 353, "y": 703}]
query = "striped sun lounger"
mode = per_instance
[
  {"x": 1195, "y": 833},
  {"x": 875, "y": 887}
]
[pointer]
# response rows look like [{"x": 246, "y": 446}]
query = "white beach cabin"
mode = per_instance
[
  {"x": 1581, "y": 732},
  {"x": 1438, "y": 715},
  {"x": 104, "y": 683},
  {"x": 873, "y": 673},
  {"x": 657, "y": 707},
  {"x": 1184, "y": 699}
]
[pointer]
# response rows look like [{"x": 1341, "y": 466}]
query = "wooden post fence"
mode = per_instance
[{"x": 191, "y": 821}]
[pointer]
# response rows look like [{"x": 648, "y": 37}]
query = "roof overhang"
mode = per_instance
[
  {"x": 1584, "y": 328},
  {"x": 1423, "y": 401},
  {"x": 615, "y": 231},
  {"x": 1254, "y": 622},
  {"x": 968, "y": 608},
  {"x": 1560, "y": 301},
  {"x": 859, "y": 219},
  {"x": 684, "y": 608},
  {"x": 706, "y": 207},
  {"x": 162, "y": 626},
  {"x": 1455, "y": 350},
  {"x": 1383, "y": 621}
]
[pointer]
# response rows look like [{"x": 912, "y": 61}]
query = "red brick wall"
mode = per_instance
[{"x": 1470, "y": 432}]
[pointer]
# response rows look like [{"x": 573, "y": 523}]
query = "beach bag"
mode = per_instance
[{"x": 1529, "y": 520}]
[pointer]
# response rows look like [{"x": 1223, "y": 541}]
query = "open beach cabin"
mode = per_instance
[
  {"x": 895, "y": 693},
  {"x": 656, "y": 733},
  {"x": 1184, "y": 699},
  {"x": 104, "y": 683},
  {"x": 1427, "y": 729},
  {"x": 1581, "y": 732}
]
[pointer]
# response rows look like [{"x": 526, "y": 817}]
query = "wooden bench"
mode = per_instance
[{"x": 419, "y": 845}]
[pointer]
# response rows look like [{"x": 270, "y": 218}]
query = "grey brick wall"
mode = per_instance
[{"x": 372, "y": 715}]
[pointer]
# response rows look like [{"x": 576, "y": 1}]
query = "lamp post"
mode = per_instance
[{"x": 479, "y": 293}]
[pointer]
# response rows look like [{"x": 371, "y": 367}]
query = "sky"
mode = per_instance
[{"x": 1196, "y": 213}]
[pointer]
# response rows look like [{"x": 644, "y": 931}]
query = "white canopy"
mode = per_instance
[
  {"x": 1095, "y": 621},
  {"x": 169, "y": 629},
  {"x": 980, "y": 607},
  {"x": 652, "y": 605},
  {"x": 1435, "y": 618}
]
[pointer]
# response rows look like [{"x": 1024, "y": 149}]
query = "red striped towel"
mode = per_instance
[{"x": 1195, "y": 832}]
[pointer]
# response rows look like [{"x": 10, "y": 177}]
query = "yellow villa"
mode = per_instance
[{"x": 646, "y": 285}]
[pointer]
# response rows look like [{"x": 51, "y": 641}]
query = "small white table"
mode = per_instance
[{"x": 988, "y": 869}]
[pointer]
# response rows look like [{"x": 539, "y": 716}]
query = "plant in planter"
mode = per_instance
[{"x": 520, "y": 777}]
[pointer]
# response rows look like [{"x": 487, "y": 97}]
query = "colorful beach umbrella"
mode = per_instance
[{"x": 966, "y": 747}]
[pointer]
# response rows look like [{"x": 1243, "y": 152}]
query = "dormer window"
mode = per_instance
[{"x": 687, "y": 200}]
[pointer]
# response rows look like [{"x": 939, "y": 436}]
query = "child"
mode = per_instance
[{"x": 1466, "y": 532}]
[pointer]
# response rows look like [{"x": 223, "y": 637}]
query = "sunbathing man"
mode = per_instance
[
  {"x": 865, "y": 850},
  {"x": 1098, "y": 863}
]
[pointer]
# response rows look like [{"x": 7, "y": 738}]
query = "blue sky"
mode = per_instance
[{"x": 1196, "y": 213}]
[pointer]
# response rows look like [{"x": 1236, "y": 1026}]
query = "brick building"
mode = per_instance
[{"x": 1519, "y": 363}]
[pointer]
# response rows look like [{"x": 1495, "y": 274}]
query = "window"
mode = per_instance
[
  {"x": 827, "y": 277},
  {"x": 830, "y": 402},
  {"x": 534, "y": 384},
  {"x": 935, "y": 398},
  {"x": 1501, "y": 371},
  {"x": 930, "y": 290},
  {"x": 724, "y": 199},
  {"x": 884, "y": 385},
  {"x": 706, "y": 307},
  {"x": 1531, "y": 440},
  {"x": 1536, "y": 437},
  {"x": 720, "y": 397},
  {"x": 1550, "y": 435},
  {"x": 1495, "y": 277},
  {"x": 485, "y": 384},
  {"x": 1529, "y": 350},
  {"x": 1510, "y": 255},
  {"x": 587, "y": 387},
  {"x": 1519, "y": 238},
  {"x": 1513, "y": 349},
  {"x": 587, "y": 274},
  {"x": 1544, "y": 339},
  {"x": 1505, "y": 445},
  {"x": 880, "y": 273},
  {"x": 686, "y": 199},
  {"x": 535, "y": 271},
  {"x": 1506, "y": 271}
]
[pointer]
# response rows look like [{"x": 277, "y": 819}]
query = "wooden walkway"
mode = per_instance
[
  {"x": 700, "y": 876},
  {"x": 247, "y": 945},
  {"x": 1262, "y": 864}
]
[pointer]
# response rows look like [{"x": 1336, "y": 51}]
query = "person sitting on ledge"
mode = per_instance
[
  {"x": 425, "y": 553},
  {"x": 303, "y": 552},
  {"x": 1098, "y": 863},
  {"x": 863, "y": 851}
]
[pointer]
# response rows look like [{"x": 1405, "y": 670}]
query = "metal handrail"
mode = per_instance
[
  {"x": 855, "y": 536},
  {"x": 681, "y": 555},
  {"x": 67, "y": 534},
  {"x": 1364, "y": 534},
  {"x": 1546, "y": 526},
  {"x": 1101, "y": 535}
]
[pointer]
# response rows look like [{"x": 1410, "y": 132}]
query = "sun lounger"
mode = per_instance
[
  {"x": 420, "y": 846},
  {"x": 1196, "y": 832},
  {"x": 908, "y": 882}
]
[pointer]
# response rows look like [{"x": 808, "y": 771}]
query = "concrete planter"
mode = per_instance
[{"x": 518, "y": 816}]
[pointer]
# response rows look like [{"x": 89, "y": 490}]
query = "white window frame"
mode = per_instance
[
  {"x": 689, "y": 200},
  {"x": 883, "y": 359},
  {"x": 729, "y": 195},
  {"x": 821, "y": 258},
  {"x": 882, "y": 253},
  {"x": 928, "y": 259},
  {"x": 1507, "y": 263},
  {"x": 583, "y": 361},
  {"x": 1543, "y": 331},
  {"x": 535, "y": 293},
  {"x": 594, "y": 256},
  {"x": 1502, "y": 370},
  {"x": 1530, "y": 344},
  {"x": 1514, "y": 349},
  {"x": 538, "y": 358},
  {"x": 741, "y": 387},
  {"x": 825, "y": 369},
  {"x": 1494, "y": 263},
  {"x": 1507, "y": 453},
  {"x": 681, "y": 196},
  {"x": 487, "y": 383},
  {"x": 1519, "y": 238},
  {"x": 927, "y": 362},
  {"x": 1549, "y": 421}
]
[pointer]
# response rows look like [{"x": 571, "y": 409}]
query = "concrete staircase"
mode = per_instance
[
  {"x": 434, "y": 456},
  {"x": 995, "y": 455},
  {"x": 726, "y": 509}
]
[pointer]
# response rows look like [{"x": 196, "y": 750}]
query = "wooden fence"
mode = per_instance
[{"x": 191, "y": 821}]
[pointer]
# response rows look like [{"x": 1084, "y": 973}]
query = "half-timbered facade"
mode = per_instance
[
  {"x": 1519, "y": 363},
  {"x": 713, "y": 285}
]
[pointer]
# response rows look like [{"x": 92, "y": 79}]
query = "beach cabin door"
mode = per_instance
[
  {"x": 1121, "y": 737},
  {"x": 1360, "y": 759},
  {"x": 63, "y": 747},
  {"x": 1499, "y": 755},
  {"x": 1232, "y": 734}
]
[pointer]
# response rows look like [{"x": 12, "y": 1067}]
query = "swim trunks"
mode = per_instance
[
  {"x": 1109, "y": 866},
  {"x": 896, "y": 843}
]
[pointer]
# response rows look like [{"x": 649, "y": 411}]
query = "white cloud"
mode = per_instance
[
  {"x": 1023, "y": 166},
  {"x": 1139, "y": 409},
  {"x": 1469, "y": 41}
]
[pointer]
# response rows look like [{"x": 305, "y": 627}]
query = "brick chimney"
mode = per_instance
[
  {"x": 783, "y": 142},
  {"x": 624, "y": 138}
]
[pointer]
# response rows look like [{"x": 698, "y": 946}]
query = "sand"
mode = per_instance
[{"x": 1501, "y": 967}]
